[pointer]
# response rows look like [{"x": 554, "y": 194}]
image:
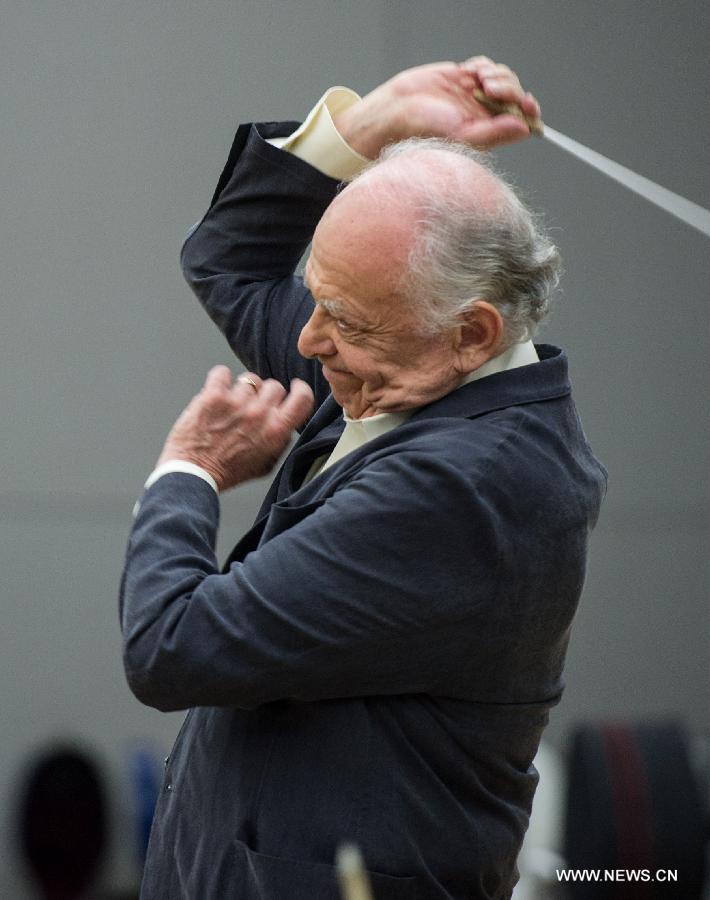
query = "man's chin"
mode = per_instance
[
  {"x": 342, "y": 398},
  {"x": 342, "y": 384}
]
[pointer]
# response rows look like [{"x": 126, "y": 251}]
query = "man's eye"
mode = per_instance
[{"x": 344, "y": 327}]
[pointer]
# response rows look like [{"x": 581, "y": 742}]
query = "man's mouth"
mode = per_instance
[{"x": 329, "y": 370}]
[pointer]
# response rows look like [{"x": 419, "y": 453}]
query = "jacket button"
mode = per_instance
[
  {"x": 166, "y": 761},
  {"x": 168, "y": 787}
]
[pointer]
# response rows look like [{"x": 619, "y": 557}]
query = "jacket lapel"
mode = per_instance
[
  {"x": 318, "y": 437},
  {"x": 546, "y": 380}
]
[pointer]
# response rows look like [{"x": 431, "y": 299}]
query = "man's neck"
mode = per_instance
[{"x": 517, "y": 355}]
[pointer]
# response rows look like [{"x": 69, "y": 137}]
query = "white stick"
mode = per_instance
[
  {"x": 685, "y": 210},
  {"x": 354, "y": 883}
]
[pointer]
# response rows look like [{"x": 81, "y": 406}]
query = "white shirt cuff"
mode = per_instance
[
  {"x": 318, "y": 142},
  {"x": 176, "y": 465},
  {"x": 180, "y": 465}
]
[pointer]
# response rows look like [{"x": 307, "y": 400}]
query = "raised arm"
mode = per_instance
[{"x": 241, "y": 258}]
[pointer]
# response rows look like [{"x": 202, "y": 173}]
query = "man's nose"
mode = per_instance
[{"x": 315, "y": 339}]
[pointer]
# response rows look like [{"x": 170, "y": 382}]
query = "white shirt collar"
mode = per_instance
[
  {"x": 518, "y": 355},
  {"x": 359, "y": 431}
]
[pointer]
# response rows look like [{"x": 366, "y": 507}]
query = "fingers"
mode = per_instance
[
  {"x": 218, "y": 378},
  {"x": 249, "y": 396},
  {"x": 298, "y": 405},
  {"x": 500, "y": 83},
  {"x": 530, "y": 106},
  {"x": 271, "y": 403},
  {"x": 260, "y": 394},
  {"x": 493, "y": 132},
  {"x": 473, "y": 62},
  {"x": 246, "y": 386},
  {"x": 276, "y": 413},
  {"x": 236, "y": 430},
  {"x": 491, "y": 75},
  {"x": 270, "y": 394}
]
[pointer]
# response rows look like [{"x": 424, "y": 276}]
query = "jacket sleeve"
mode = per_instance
[
  {"x": 351, "y": 600},
  {"x": 241, "y": 258}
]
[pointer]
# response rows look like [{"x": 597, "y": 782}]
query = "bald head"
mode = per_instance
[
  {"x": 415, "y": 172},
  {"x": 378, "y": 218},
  {"x": 466, "y": 235}
]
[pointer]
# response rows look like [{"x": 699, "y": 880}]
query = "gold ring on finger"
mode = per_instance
[{"x": 245, "y": 379}]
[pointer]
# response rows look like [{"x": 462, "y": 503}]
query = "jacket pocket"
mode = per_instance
[{"x": 263, "y": 877}]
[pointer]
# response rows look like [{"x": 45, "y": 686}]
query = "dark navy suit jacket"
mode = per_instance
[{"x": 377, "y": 659}]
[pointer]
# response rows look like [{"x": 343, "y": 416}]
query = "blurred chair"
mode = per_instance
[
  {"x": 634, "y": 802},
  {"x": 62, "y": 822}
]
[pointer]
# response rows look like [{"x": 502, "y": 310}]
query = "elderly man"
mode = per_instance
[{"x": 377, "y": 659}]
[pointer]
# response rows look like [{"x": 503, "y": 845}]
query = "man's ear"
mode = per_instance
[{"x": 479, "y": 337}]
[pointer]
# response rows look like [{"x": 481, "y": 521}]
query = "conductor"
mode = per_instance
[{"x": 378, "y": 657}]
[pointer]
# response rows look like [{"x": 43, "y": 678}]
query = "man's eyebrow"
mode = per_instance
[{"x": 332, "y": 307}]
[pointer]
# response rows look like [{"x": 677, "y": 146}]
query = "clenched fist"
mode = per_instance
[
  {"x": 236, "y": 430},
  {"x": 437, "y": 100}
]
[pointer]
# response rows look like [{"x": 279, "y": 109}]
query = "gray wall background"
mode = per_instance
[{"x": 117, "y": 118}]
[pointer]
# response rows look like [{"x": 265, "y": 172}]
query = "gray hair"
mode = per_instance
[{"x": 465, "y": 251}]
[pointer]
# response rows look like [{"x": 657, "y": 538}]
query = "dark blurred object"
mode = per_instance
[
  {"x": 63, "y": 822},
  {"x": 633, "y": 803}
]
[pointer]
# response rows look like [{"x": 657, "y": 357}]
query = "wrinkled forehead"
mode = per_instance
[
  {"x": 371, "y": 227},
  {"x": 367, "y": 223}
]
